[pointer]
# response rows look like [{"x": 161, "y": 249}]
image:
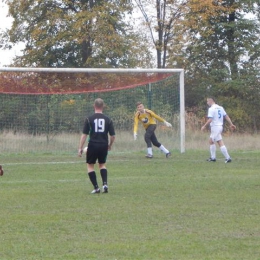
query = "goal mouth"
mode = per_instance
[{"x": 51, "y": 104}]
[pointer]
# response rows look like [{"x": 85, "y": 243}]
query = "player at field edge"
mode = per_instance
[
  {"x": 1, "y": 170},
  {"x": 216, "y": 116},
  {"x": 100, "y": 130},
  {"x": 147, "y": 117}
]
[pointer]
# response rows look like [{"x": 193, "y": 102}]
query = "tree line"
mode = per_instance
[{"x": 216, "y": 42}]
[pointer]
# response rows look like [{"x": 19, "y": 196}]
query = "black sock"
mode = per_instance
[
  {"x": 103, "y": 173},
  {"x": 93, "y": 179}
]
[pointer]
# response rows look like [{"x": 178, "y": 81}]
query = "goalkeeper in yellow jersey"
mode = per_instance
[{"x": 148, "y": 119}]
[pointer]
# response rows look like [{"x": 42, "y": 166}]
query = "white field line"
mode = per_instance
[
  {"x": 65, "y": 162},
  {"x": 42, "y": 181},
  {"x": 39, "y": 163},
  {"x": 118, "y": 160}
]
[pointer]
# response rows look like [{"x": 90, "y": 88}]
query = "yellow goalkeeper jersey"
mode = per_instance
[{"x": 147, "y": 118}]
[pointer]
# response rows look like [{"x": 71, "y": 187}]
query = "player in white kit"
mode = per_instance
[{"x": 216, "y": 116}]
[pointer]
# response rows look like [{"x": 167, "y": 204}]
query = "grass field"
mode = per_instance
[{"x": 180, "y": 208}]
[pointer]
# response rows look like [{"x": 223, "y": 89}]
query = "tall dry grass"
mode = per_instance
[
  {"x": 195, "y": 139},
  {"x": 68, "y": 143}
]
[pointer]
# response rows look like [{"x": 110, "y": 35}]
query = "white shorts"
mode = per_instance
[{"x": 216, "y": 132}]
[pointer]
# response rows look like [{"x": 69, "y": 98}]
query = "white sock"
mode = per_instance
[
  {"x": 224, "y": 151},
  {"x": 163, "y": 149},
  {"x": 150, "y": 150},
  {"x": 212, "y": 149}
]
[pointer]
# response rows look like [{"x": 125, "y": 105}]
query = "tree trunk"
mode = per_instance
[{"x": 232, "y": 57}]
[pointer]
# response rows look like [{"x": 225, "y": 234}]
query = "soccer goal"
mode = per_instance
[{"x": 43, "y": 109}]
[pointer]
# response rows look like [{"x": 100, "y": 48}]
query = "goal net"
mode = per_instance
[{"x": 43, "y": 109}]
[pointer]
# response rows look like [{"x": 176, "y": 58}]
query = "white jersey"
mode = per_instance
[{"x": 217, "y": 114}]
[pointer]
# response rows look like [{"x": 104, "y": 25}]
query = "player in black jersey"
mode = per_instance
[{"x": 97, "y": 127}]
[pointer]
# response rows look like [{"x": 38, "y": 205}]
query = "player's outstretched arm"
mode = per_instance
[
  {"x": 167, "y": 124},
  {"x": 135, "y": 125},
  {"x": 160, "y": 119},
  {"x": 231, "y": 125}
]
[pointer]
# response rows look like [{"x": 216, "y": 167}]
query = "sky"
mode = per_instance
[{"x": 6, "y": 56}]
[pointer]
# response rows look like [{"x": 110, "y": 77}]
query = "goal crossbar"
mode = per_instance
[{"x": 88, "y": 70}]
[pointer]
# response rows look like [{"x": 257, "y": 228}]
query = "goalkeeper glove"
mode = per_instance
[
  {"x": 135, "y": 136},
  {"x": 167, "y": 124}
]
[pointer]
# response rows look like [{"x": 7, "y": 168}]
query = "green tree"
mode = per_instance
[
  {"x": 222, "y": 57},
  {"x": 161, "y": 20},
  {"x": 222, "y": 38},
  {"x": 78, "y": 33}
]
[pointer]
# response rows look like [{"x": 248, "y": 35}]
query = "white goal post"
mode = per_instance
[{"x": 180, "y": 72}]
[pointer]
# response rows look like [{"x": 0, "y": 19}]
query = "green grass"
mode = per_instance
[{"x": 181, "y": 208}]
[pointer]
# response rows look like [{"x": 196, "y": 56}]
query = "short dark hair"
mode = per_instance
[
  {"x": 214, "y": 99},
  {"x": 99, "y": 103},
  {"x": 138, "y": 103}
]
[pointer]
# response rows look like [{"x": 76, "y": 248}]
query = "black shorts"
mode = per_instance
[{"x": 96, "y": 152}]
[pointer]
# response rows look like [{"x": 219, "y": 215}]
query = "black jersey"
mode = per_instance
[{"x": 98, "y": 126}]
